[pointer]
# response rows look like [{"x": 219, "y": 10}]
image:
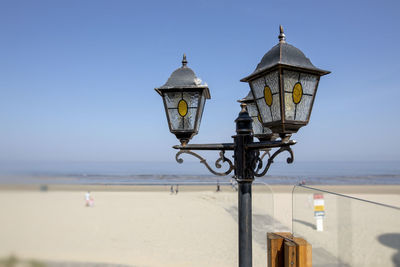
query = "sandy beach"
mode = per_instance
[{"x": 150, "y": 226}]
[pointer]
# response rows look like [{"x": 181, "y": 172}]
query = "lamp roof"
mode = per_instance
[
  {"x": 184, "y": 77},
  {"x": 286, "y": 55},
  {"x": 248, "y": 98}
]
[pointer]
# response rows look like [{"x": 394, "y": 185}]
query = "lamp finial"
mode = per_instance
[
  {"x": 184, "y": 61},
  {"x": 282, "y": 36}
]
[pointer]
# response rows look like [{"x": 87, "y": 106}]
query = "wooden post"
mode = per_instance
[
  {"x": 290, "y": 254},
  {"x": 284, "y": 250},
  {"x": 303, "y": 252},
  {"x": 275, "y": 248}
]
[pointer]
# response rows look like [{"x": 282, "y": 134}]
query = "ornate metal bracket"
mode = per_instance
[
  {"x": 259, "y": 162},
  {"x": 256, "y": 162},
  {"x": 218, "y": 165}
]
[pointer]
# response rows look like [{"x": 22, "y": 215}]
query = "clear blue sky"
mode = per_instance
[{"x": 77, "y": 78}]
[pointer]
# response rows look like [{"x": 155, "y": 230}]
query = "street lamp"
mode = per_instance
[
  {"x": 184, "y": 97},
  {"x": 283, "y": 89},
  {"x": 284, "y": 85}
]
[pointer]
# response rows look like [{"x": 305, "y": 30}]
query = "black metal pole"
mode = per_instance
[
  {"x": 245, "y": 224},
  {"x": 244, "y": 159}
]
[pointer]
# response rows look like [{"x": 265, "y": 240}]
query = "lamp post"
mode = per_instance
[{"x": 283, "y": 89}]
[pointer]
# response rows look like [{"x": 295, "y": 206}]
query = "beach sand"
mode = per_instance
[{"x": 149, "y": 226}]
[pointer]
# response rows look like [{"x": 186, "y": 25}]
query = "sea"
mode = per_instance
[{"x": 169, "y": 173}]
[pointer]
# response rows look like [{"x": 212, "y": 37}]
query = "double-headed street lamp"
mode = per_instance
[{"x": 283, "y": 89}]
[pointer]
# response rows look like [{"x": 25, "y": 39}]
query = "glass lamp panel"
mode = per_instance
[
  {"x": 266, "y": 92},
  {"x": 192, "y": 98},
  {"x": 258, "y": 87},
  {"x": 189, "y": 119},
  {"x": 290, "y": 78},
  {"x": 252, "y": 109},
  {"x": 276, "y": 108},
  {"x": 290, "y": 106},
  {"x": 309, "y": 86},
  {"x": 309, "y": 83},
  {"x": 257, "y": 126},
  {"x": 176, "y": 121},
  {"x": 299, "y": 91},
  {"x": 182, "y": 110},
  {"x": 200, "y": 112},
  {"x": 303, "y": 108},
  {"x": 265, "y": 110},
  {"x": 272, "y": 80},
  {"x": 172, "y": 99}
]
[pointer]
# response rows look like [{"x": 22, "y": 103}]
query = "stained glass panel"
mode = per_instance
[
  {"x": 290, "y": 78},
  {"x": 258, "y": 87},
  {"x": 265, "y": 111},
  {"x": 172, "y": 99},
  {"x": 276, "y": 108},
  {"x": 252, "y": 109},
  {"x": 175, "y": 119},
  {"x": 257, "y": 126},
  {"x": 272, "y": 80},
  {"x": 309, "y": 83},
  {"x": 303, "y": 108},
  {"x": 289, "y": 106},
  {"x": 192, "y": 98},
  {"x": 201, "y": 107},
  {"x": 190, "y": 118}
]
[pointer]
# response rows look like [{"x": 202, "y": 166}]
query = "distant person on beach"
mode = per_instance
[
  {"x": 218, "y": 187},
  {"x": 89, "y": 199},
  {"x": 172, "y": 189},
  {"x": 176, "y": 189}
]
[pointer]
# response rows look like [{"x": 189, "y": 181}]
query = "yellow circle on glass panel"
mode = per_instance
[
  {"x": 268, "y": 95},
  {"x": 297, "y": 93},
  {"x": 182, "y": 108}
]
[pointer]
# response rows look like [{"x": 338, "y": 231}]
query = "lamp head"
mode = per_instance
[
  {"x": 284, "y": 86},
  {"x": 184, "y": 97}
]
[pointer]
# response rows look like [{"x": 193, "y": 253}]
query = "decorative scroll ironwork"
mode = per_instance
[
  {"x": 259, "y": 162},
  {"x": 218, "y": 165},
  {"x": 256, "y": 164}
]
